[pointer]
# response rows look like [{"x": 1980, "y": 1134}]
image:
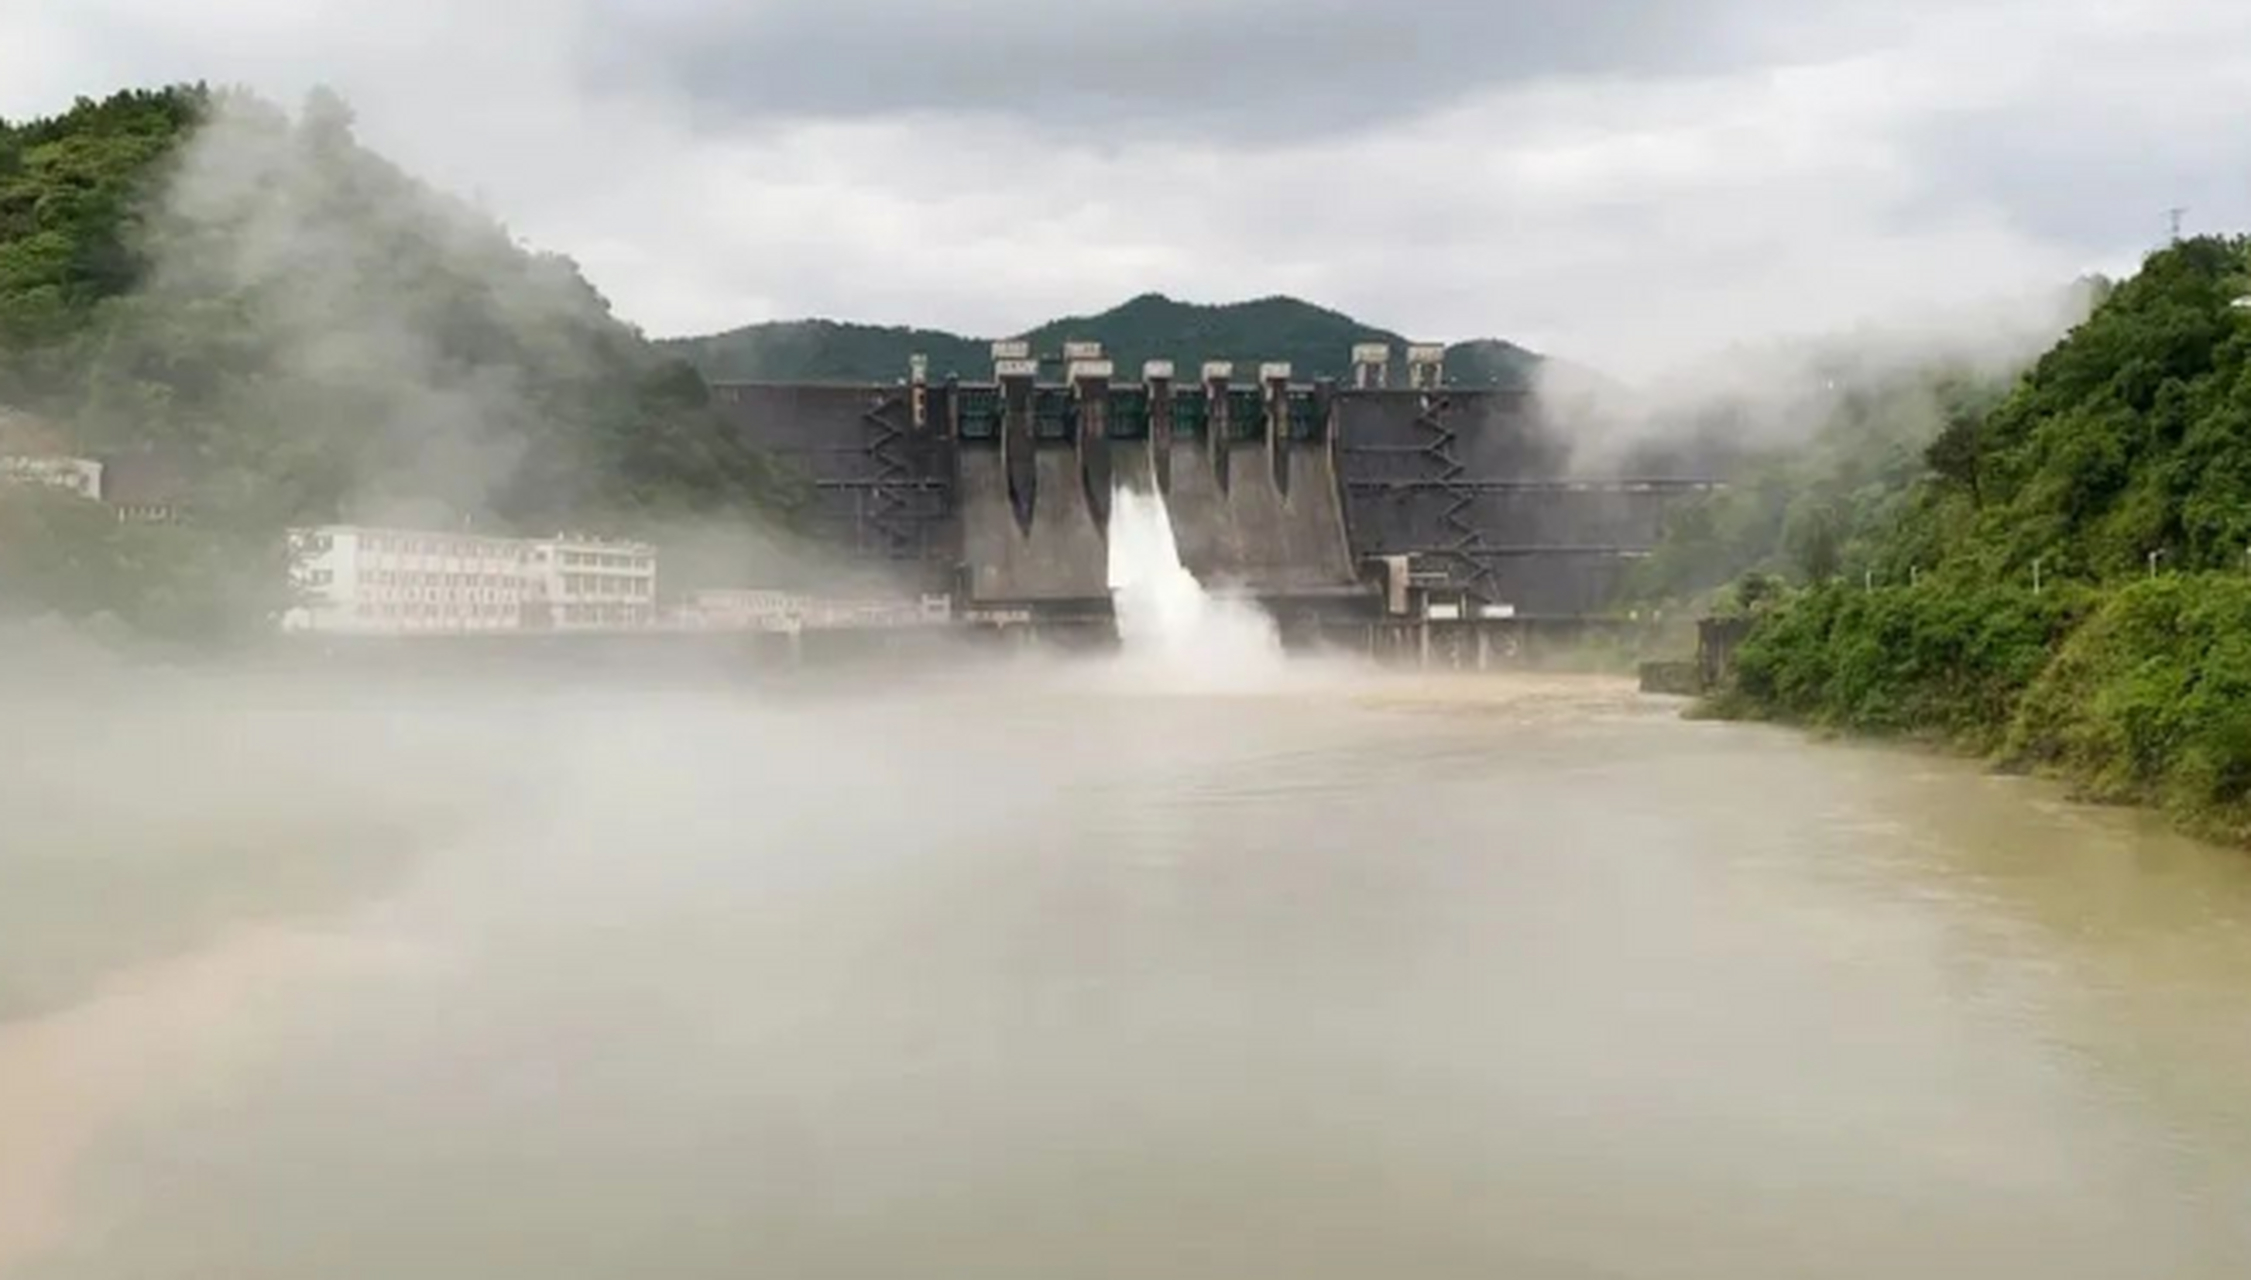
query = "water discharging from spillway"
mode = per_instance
[{"x": 1169, "y": 623}]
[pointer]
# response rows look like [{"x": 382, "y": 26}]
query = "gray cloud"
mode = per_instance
[
  {"x": 2089, "y": 136},
  {"x": 1253, "y": 69},
  {"x": 1631, "y": 184},
  {"x": 1264, "y": 68}
]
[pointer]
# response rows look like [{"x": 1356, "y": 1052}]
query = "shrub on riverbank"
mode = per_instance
[
  {"x": 1937, "y": 659},
  {"x": 2150, "y": 702},
  {"x": 2126, "y": 450},
  {"x": 2136, "y": 694}
]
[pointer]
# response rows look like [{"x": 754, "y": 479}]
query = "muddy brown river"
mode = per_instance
[{"x": 1053, "y": 971}]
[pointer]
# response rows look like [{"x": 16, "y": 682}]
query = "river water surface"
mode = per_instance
[{"x": 1052, "y": 971}]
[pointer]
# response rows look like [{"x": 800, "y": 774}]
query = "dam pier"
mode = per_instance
[{"x": 1396, "y": 514}]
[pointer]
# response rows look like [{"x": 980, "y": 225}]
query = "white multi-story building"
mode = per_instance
[
  {"x": 589, "y": 583},
  {"x": 82, "y": 476},
  {"x": 767, "y": 609},
  {"x": 741, "y": 609},
  {"x": 351, "y": 578}
]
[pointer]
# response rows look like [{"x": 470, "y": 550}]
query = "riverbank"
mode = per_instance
[{"x": 2136, "y": 693}]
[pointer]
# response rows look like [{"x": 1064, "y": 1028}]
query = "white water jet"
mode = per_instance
[{"x": 1167, "y": 620}]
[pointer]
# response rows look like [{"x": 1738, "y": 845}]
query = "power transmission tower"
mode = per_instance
[{"x": 2173, "y": 220}]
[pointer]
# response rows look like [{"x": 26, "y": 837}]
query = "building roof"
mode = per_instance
[{"x": 146, "y": 480}]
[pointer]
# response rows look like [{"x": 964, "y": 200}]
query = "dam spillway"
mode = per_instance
[{"x": 1304, "y": 495}]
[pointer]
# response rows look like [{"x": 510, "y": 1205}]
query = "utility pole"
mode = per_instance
[
  {"x": 2173, "y": 218},
  {"x": 2036, "y": 575}
]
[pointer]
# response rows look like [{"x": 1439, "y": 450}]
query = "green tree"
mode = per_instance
[
  {"x": 305, "y": 334},
  {"x": 1817, "y": 541},
  {"x": 2132, "y": 434},
  {"x": 1957, "y": 454}
]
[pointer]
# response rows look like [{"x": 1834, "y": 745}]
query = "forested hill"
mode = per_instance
[
  {"x": 264, "y": 323},
  {"x": 2131, "y": 437},
  {"x": 304, "y": 332},
  {"x": 2066, "y": 581},
  {"x": 1316, "y": 342}
]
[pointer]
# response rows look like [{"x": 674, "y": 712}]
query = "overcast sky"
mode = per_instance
[{"x": 1629, "y": 184}]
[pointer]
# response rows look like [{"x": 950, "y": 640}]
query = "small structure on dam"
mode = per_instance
[{"x": 1326, "y": 502}]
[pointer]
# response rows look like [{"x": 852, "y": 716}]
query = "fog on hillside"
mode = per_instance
[{"x": 1598, "y": 721}]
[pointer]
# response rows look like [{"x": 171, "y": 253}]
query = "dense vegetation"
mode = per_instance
[
  {"x": 1819, "y": 509},
  {"x": 1315, "y": 342},
  {"x": 2116, "y": 474},
  {"x": 68, "y": 188},
  {"x": 292, "y": 330}
]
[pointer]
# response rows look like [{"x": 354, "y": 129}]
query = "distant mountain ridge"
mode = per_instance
[{"x": 1316, "y": 341}]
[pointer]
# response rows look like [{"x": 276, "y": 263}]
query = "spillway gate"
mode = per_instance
[{"x": 998, "y": 490}]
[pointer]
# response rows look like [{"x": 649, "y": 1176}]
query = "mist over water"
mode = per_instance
[
  {"x": 1171, "y": 625},
  {"x": 1009, "y": 971},
  {"x": 1193, "y": 961}
]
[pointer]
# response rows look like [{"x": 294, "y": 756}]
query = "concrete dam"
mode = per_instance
[{"x": 1326, "y": 502}]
